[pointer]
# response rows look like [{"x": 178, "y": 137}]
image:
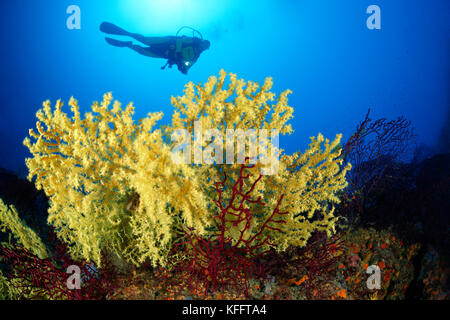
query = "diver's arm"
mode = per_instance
[{"x": 169, "y": 63}]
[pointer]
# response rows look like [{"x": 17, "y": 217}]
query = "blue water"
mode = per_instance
[{"x": 320, "y": 49}]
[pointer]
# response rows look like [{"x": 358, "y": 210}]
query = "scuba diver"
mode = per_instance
[{"x": 182, "y": 51}]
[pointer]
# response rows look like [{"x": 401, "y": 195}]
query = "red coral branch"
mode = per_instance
[
  {"x": 374, "y": 147},
  {"x": 218, "y": 261},
  {"x": 47, "y": 278}
]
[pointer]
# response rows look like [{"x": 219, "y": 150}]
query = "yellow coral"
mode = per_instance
[
  {"x": 8, "y": 288},
  {"x": 89, "y": 167},
  {"x": 9, "y": 219},
  {"x": 310, "y": 181},
  {"x": 112, "y": 182}
]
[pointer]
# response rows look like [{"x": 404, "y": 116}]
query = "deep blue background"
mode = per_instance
[{"x": 320, "y": 49}]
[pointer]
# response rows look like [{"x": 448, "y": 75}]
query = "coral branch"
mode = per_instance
[
  {"x": 218, "y": 261},
  {"x": 37, "y": 278}
]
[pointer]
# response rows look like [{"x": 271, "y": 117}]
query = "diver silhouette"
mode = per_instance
[{"x": 180, "y": 50}]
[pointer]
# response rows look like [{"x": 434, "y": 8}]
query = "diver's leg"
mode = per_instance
[
  {"x": 118, "y": 43},
  {"x": 110, "y": 28},
  {"x": 144, "y": 51},
  {"x": 150, "y": 40}
]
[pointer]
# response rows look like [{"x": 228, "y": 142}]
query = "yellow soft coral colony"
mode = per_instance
[
  {"x": 309, "y": 180},
  {"x": 91, "y": 167},
  {"x": 10, "y": 220}
]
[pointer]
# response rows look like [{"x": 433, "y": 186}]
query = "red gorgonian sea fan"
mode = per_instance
[
  {"x": 218, "y": 261},
  {"x": 374, "y": 147},
  {"x": 36, "y": 278}
]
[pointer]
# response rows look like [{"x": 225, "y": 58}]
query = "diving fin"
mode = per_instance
[
  {"x": 118, "y": 43},
  {"x": 110, "y": 28}
]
